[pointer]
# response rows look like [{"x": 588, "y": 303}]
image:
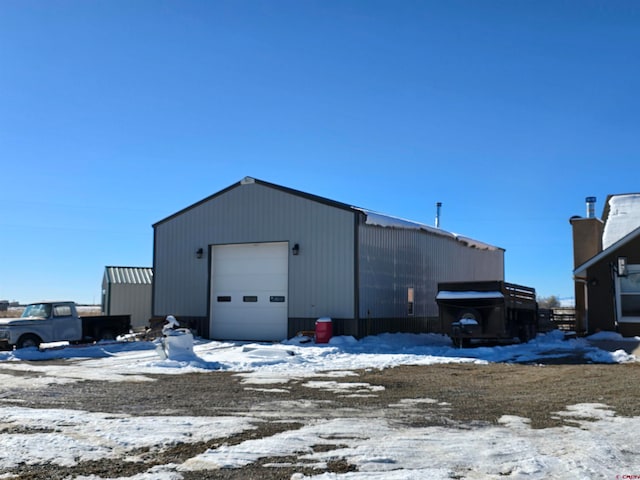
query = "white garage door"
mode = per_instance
[{"x": 249, "y": 287}]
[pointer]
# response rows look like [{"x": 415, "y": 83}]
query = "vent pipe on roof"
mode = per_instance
[
  {"x": 438, "y": 207},
  {"x": 591, "y": 207}
]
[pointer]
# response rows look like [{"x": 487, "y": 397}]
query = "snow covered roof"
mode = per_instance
[
  {"x": 621, "y": 225},
  {"x": 475, "y": 295},
  {"x": 383, "y": 220},
  {"x": 623, "y": 217}
]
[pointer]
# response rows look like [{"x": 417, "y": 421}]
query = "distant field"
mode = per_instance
[{"x": 87, "y": 311}]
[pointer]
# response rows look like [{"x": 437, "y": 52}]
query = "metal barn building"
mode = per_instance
[
  {"x": 127, "y": 291},
  {"x": 258, "y": 261}
]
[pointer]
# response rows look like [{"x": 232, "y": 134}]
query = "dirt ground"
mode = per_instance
[{"x": 475, "y": 394}]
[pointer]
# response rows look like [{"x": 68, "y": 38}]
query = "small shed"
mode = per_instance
[
  {"x": 259, "y": 261},
  {"x": 127, "y": 291}
]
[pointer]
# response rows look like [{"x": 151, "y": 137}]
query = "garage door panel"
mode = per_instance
[
  {"x": 255, "y": 266},
  {"x": 272, "y": 299},
  {"x": 249, "y": 323},
  {"x": 241, "y": 283},
  {"x": 249, "y": 291}
]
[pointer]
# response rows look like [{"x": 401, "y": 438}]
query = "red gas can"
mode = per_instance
[{"x": 324, "y": 330}]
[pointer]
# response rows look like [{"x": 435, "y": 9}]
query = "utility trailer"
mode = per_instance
[{"x": 488, "y": 311}]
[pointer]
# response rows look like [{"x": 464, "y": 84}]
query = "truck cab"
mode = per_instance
[{"x": 42, "y": 322}]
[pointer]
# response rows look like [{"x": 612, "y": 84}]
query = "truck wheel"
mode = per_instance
[{"x": 28, "y": 340}]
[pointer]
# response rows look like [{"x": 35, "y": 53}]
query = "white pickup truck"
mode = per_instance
[{"x": 46, "y": 322}]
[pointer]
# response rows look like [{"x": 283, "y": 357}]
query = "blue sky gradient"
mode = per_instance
[{"x": 116, "y": 114}]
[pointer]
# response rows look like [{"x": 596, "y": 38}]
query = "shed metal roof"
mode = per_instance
[{"x": 129, "y": 275}]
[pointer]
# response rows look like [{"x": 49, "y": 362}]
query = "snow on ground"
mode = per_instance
[
  {"x": 592, "y": 443},
  {"x": 510, "y": 450},
  {"x": 271, "y": 362}
]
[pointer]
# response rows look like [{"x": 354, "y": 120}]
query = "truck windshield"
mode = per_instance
[{"x": 40, "y": 310}]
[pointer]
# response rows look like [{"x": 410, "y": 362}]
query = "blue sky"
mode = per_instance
[{"x": 116, "y": 114}]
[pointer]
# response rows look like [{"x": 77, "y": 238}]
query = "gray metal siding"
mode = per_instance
[
  {"x": 127, "y": 291},
  {"x": 394, "y": 259},
  {"x": 132, "y": 299},
  {"x": 321, "y": 277}
]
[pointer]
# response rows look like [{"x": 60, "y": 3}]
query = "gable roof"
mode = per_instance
[
  {"x": 251, "y": 180},
  {"x": 129, "y": 275},
  {"x": 621, "y": 216},
  {"x": 371, "y": 218},
  {"x": 620, "y": 243}
]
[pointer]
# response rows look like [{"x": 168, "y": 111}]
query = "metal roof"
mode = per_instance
[
  {"x": 251, "y": 181},
  {"x": 372, "y": 218},
  {"x": 129, "y": 275}
]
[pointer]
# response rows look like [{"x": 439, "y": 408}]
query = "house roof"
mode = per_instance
[
  {"x": 621, "y": 218},
  {"x": 372, "y": 218},
  {"x": 129, "y": 275}
]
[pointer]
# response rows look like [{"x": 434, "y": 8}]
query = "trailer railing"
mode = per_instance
[
  {"x": 520, "y": 295},
  {"x": 557, "y": 318}
]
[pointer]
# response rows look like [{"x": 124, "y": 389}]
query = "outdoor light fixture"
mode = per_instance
[
  {"x": 199, "y": 252},
  {"x": 296, "y": 249},
  {"x": 622, "y": 266}
]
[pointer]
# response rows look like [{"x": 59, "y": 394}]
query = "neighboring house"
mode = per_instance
[
  {"x": 607, "y": 266},
  {"x": 4, "y": 305},
  {"x": 258, "y": 261},
  {"x": 127, "y": 291}
]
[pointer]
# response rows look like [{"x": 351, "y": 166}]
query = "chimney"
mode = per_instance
[
  {"x": 587, "y": 234},
  {"x": 438, "y": 206},
  {"x": 591, "y": 207},
  {"x": 587, "y": 243}
]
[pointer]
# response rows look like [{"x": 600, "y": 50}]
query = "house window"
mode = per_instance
[
  {"x": 628, "y": 297},
  {"x": 410, "y": 301}
]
